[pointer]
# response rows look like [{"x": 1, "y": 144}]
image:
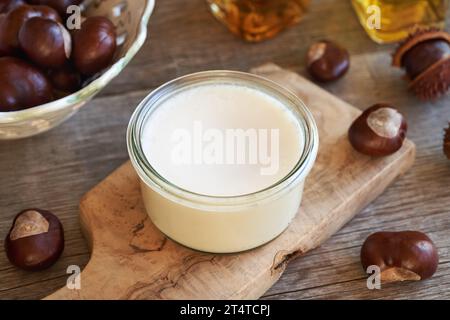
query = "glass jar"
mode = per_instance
[
  {"x": 256, "y": 20},
  {"x": 227, "y": 223},
  {"x": 388, "y": 21}
]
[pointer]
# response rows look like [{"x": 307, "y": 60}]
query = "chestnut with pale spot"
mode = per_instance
[
  {"x": 35, "y": 240},
  {"x": 46, "y": 42},
  {"x": 378, "y": 131},
  {"x": 327, "y": 61},
  {"x": 401, "y": 256}
]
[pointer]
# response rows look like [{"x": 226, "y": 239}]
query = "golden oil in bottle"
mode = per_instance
[
  {"x": 388, "y": 21},
  {"x": 256, "y": 20}
]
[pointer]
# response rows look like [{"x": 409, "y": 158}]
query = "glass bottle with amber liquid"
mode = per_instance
[
  {"x": 388, "y": 21},
  {"x": 256, "y": 20}
]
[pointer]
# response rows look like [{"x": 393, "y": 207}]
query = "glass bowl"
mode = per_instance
[{"x": 130, "y": 18}]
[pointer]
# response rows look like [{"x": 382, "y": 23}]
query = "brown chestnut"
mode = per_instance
[
  {"x": 405, "y": 255},
  {"x": 22, "y": 85},
  {"x": 11, "y": 24},
  {"x": 59, "y": 5},
  {"x": 94, "y": 45},
  {"x": 422, "y": 56},
  {"x": 378, "y": 131},
  {"x": 425, "y": 56},
  {"x": 46, "y": 42},
  {"x": 8, "y": 5},
  {"x": 65, "y": 79},
  {"x": 35, "y": 240},
  {"x": 327, "y": 61}
]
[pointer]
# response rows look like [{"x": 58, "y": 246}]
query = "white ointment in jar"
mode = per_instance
[{"x": 222, "y": 157}]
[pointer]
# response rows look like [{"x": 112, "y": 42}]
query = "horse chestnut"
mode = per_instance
[
  {"x": 13, "y": 21},
  {"x": 59, "y": 5},
  {"x": 8, "y": 5},
  {"x": 405, "y": 255},
  {"x": 22, "y": 85},
  {"x": 46, "y": 42},
  {"x": 425, "y": 56},
  {"x": 422, "y": 56},
  {"x": 35, "y": 240},
  {"x": 65, "y": 79},
  {"x": 327, "y": 61},
  {"x": 94, "y": 45},
  {"x": 378, "y": 131}
]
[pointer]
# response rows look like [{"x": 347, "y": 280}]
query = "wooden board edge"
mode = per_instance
[{"x": 283, "y": 258}]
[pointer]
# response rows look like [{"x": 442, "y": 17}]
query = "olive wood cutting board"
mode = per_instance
[{"x": 131, "y": 259}]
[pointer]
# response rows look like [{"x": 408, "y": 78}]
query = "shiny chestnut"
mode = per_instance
[
  {"x": 405, "y": 255},
  {"x": 8, "y": 5},
  {"x": 65, "y": 80},
  {"x": 35, "y": 240},
  {"x": 22, "y": 85},
  {"x": 47, "y": 43},
  {"x": 327, "y": 61},
  {"x": 11, "y": 24},
  {"x": 425, "y": 56},
  {"x": 94, "y": 45},
  {"x": 378, "y": 131}
]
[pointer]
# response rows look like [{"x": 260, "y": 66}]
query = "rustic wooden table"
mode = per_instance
[{"x": 55, "y": 169}]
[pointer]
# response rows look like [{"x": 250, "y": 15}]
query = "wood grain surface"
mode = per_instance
[
  {"x": 132, "y": 259},
  {"x": 55, "y": 169}
]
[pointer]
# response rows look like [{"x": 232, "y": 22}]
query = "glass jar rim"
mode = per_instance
[{"x": 151, "y": 177}]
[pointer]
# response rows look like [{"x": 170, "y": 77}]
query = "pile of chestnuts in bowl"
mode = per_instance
[{"x": 55, "y": 55}]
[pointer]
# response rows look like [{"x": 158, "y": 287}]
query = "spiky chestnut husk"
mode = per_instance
[
  {"x": 433, "y": 78},
  {"x": 447, "y": 142}
]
